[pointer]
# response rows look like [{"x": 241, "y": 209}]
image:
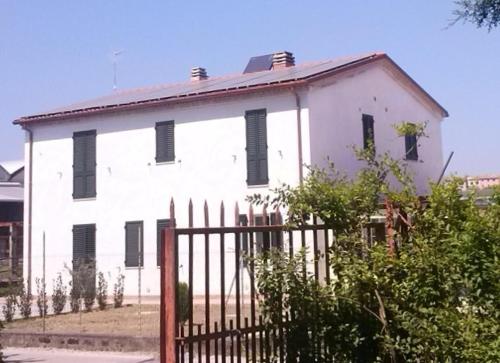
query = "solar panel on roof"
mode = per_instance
[{"x": 259, "y": 63}]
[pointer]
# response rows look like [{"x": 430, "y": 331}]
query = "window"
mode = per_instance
[
  {"x": 265, "y": 240},
  {"x": 84, "y": 164},
  {"x": 83, "y": 244},
  {"x": 243, "y": 221},
  {"x": 165, "y": 141},
  {"x": 83, "y": 253},
  {"x": 161, "y": 224},
  {"x": 256, "y": 135},
  {"x": 368, "y": 131},
  {"x": 133, "y": 242},
  {"x": 411, "y": 147}
]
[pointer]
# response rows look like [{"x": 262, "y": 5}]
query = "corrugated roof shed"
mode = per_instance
[{"x": 11, "y": 192}]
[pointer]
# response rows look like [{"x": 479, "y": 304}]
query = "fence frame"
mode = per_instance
[{"x": 172, "y": 336}]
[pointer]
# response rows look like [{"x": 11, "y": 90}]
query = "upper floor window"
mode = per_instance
[
  {"x": 84, "y": 164},
  {"x": 256, "y": 135},
  {"x": 368, "y": 131},
  {"x": 411, "y": 147},
  {"x": 165, "y": 141}
]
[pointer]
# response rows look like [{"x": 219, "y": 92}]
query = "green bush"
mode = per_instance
[
  {"x": 9, "y": 307},
  {"x": 102, "y": 291},
  {"x": 83, "y": 286},
  {"x": 118, "y": 290},
  {"x": 183, "y": 301},
  {"x": 25, "y": 301},
  {"x": 59, "y": 295},
  {"x": 41, "y": 299},
  {"x": 432, "y": 297}
]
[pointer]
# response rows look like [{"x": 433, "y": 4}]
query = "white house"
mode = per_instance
[{"x": 102, "y": 172}]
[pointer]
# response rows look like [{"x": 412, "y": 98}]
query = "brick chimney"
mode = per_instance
[
  {"x": 283, "y": 60},
  {"x": 198, "y": 74}
]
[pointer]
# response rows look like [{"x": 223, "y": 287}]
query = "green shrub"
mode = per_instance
[
  {"x": 102, "y": 291},
  {"x": 431, "y": 297},
  {"x": 87, "y": 274},
  {"x": 59, "y": 295},
  {"x": 74, "y": 297},
  {"x": 83, "y": 287},
  {"x": 9, "y": 307},
  {"x": 118, "y": 289},
  {"x": 25, "y": 301},
  {"x": 183, "y": 301},
  {"x": 41, "y": 299}
]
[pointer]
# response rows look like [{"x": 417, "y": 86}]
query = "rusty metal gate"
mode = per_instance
[{"x": 223, "y": 323}]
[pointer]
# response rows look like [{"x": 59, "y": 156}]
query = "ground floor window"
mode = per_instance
[{"x": 134, "y": 244}]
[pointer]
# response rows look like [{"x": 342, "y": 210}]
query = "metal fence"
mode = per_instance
[{"x": 221, "y": 331}]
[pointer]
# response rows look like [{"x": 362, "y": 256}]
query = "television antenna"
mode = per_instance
[{"x": 115, "y": 55}]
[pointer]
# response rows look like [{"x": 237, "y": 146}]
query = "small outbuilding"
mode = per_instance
[{"x": 11, "y": 221}]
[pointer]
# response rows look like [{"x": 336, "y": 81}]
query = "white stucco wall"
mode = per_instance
[
  {"x": 210, "y": 164},
  {"x": 336, "y": 108}
]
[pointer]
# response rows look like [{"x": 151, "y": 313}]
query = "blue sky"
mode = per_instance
[{"x": 57, "y": 52}]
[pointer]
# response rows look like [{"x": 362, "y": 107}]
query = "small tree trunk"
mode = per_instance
[{"x": 389, "y": 227}]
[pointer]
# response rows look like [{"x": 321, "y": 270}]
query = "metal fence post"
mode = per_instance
[
  {"x": 139, "y": 292},
  {"x": 168, "y": 298},
  {"x": 44, "y": 298}
]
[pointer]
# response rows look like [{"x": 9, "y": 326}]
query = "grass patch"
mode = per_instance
[{"x": 121, "y": 321}]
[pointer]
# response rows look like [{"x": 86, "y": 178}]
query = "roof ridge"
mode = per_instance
[
  {"x": 215, "y": 86},
  {"x": 212, "y": 78}
]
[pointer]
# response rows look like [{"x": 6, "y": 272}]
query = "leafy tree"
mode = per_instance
[
  {"x": 483, "y": 13},
  {"x": 428, "y": 293}
]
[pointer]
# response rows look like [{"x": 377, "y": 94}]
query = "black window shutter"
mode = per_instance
[
  {"x": 411, "y": 147},
  {"x": 165, "y": 141},
  {"x": 277, "y": 237},
  {"x": 132, "y": 239},
  {"x": 84, "y": 164},
  {"x": 83, "y": 243},
  {"x": 161, "y": 224},
  {"x": 78, "y": 243},
  {"x": 256, "y": 135},
  {"x": 262, "y": 239},
  {"x": 368, "y": 130},
  {"x": 243, "y": 221}
]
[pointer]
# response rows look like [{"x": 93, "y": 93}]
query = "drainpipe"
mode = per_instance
[
  {"x": 30, "y": 199},
  {"x": 299, "y": 134}
]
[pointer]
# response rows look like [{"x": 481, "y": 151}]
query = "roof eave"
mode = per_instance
[
  {"x": 24, "y": 121},
  {"x": 444, "y": 112}
]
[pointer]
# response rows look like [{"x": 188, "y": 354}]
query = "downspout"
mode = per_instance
[
  {"x": 299, "y": 134},
  {"x": 30, "y": 199}
]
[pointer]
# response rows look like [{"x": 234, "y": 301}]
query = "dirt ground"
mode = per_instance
[
  {"x": 128, "y": 320},
  {"x": 20, "y": 355}
]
